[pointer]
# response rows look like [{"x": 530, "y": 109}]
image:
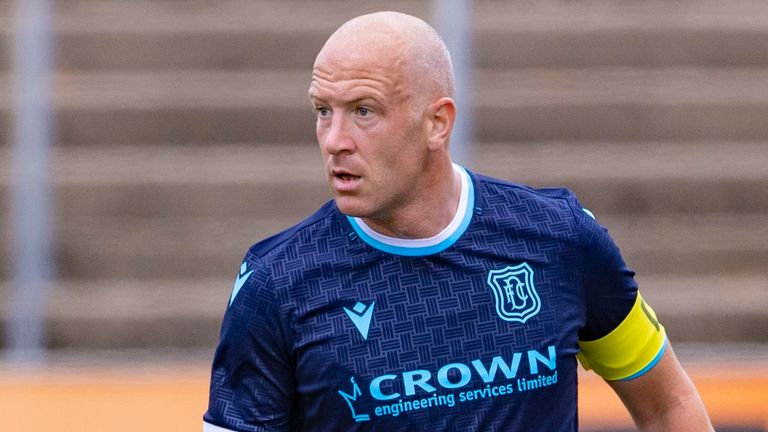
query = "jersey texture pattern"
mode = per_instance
[{"x": 329, "y": 330}]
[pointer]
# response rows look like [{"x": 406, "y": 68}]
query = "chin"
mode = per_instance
[{"x": 352, "y": 206}]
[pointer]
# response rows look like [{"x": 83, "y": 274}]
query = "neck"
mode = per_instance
[{"x": 428, "y": 212}]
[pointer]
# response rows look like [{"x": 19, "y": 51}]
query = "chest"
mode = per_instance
[{"x": 475, "y": 329}]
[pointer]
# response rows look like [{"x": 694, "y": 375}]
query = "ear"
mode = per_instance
[{"x": 442, "y": 115}]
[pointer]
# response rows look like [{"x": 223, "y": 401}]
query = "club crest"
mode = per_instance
[{"x": 515, "y": 294}]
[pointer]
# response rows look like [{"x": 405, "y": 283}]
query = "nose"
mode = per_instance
[{"x": 335, "y": 138}]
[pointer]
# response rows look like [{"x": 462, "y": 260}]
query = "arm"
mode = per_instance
[
  {"x": 252, "y": 377},
  {"x": 624, "y": 342},
  {"x": 663, "y": 399}
]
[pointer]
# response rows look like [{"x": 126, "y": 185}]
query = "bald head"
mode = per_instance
[
  {"x": 381, "y": 89},
  {"x": 405, "y": 45}
]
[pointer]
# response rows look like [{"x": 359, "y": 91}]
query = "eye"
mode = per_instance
[
  {"x": 322, "y": 111},
  {"x": 363, "y": 111}
]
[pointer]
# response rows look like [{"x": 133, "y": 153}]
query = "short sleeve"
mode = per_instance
[
  {"x": 609, "y": 284},
  {"x": 621, "y": 338},
  {"x": 251, "y": 379}
]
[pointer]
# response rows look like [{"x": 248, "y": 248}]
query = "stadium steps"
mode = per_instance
[
  {"x": 115, "y": 180},
  {"x": 173, "y": 210},
  {"x": 237, "y": 34},
  {"x": 642, "y": 177},
  {"x": 182, "y": 127},
  {"x": 113, "y": 313},
  {"x": 200, "y": 107},
  {"x": 565, "y": 71}
]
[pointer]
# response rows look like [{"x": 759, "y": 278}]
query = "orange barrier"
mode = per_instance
[
  {"x": 734, "y": 394},
  {"x": 173, "y": 399},
  {"x": 104, "y": 400}
]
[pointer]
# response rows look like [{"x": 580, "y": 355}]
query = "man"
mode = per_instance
[{"x": 426, "y": 297}]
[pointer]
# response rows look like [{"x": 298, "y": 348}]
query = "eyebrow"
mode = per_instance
[
  {"x": 363, "y": 98},
  {"x": 316, "y": 98}
]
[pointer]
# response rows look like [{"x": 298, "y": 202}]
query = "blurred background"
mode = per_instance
[{"x": 181, "y": 134}]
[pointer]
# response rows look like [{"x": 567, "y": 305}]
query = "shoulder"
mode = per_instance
[
  {"x": 267, "y": 263},
  {"x": 552, "y": 212},
  {"x": 508, "y": 197},
  {"x": 322, "y": 224},
  {"x": 520, "y": 192},
  {"x": 264, "y": 276}
]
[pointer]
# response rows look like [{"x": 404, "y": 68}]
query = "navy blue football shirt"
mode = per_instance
[{"x": 333, "y": 326}]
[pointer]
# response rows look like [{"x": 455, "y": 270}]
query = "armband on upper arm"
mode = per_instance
[{"x": 630, "y": 350}]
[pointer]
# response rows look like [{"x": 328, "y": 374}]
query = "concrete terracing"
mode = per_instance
[{"x": 184, "y": 135}]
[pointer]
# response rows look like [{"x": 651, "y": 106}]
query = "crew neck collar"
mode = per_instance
[{"x": 424, "y": 246}]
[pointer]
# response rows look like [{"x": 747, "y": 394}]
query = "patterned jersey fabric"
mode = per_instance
[{"x": 332, "y": 326}]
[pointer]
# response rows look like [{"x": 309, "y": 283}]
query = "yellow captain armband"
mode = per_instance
[{"x": 630, "y": 350}]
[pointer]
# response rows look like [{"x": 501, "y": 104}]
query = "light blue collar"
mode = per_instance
[{"x": 427, "y": 246}]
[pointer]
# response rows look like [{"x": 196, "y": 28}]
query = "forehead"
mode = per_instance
[
  {"x": 360, "y": 63},
  {"x": 350, "y": 84}
]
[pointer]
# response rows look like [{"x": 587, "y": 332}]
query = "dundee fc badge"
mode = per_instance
[{"x": 515, "y": 294}]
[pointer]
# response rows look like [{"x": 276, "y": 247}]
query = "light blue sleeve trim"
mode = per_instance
[
  {"x": 240, "y": 280},
  {"x": 592, "y": 215},
  {"x": 425, "y": 250},
  {"x": 650, "y": 365}
]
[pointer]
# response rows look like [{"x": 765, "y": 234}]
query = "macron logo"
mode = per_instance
[
  {"x": 361, "y": 317},
  {"x": 240, "y": 281}
]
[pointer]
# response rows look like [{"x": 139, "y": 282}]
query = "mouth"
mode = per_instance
[
  {"x": 346, "y": 177},
  {"x": 344, "y": 180},
  {"x": 343, "y": 174}
]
